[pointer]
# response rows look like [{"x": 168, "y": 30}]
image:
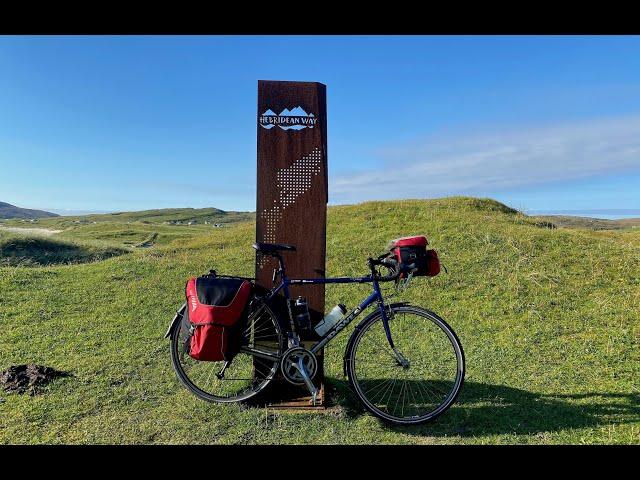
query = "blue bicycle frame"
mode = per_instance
[{"x": 375, "y": 296}]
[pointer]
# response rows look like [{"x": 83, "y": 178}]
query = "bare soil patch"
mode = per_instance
[{"x": 28, "y": 378}]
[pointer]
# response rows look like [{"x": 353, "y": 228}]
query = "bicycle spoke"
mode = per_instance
[
  {"x": 395, "y": 405},
  {"x": 372, "y": 389},
  {"x": 418, "y": 390},
  {"x": 245, "y": 374},
  {"x": 390, "y": 390},
  {"x": 413, "y": 395}
]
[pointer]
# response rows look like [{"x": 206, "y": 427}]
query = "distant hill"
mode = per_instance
[
  {"x": 168, "y": 216},
  {"x": 11, "y": 211},
  {"x": 588, "y": 222}
]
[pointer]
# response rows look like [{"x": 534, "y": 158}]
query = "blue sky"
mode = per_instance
[{"x": 128, "y": 123}]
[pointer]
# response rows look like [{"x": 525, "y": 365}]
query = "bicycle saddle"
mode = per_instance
[{"x": 268, "y": 248}]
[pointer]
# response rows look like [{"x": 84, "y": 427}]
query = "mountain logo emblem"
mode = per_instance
[{"x": 295, "y": 119}]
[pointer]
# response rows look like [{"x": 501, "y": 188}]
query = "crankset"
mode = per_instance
[{"x": 299, "y": 366}]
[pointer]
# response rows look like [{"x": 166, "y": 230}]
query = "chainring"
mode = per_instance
[{"x": 291, "y": 358}]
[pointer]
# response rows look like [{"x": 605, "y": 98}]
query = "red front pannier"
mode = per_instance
[
  {"x": 215, "y": 305},
  {"x": 413, "y": 250}
]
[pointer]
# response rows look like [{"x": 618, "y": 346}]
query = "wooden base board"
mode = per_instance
[
  {"x": 297, "y": 399},
  {"x": 283, "y": 396}
]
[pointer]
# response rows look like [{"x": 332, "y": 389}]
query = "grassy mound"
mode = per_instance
[
  {"x": 41, "y": 251},
  {"x": 548, "y": 319}
]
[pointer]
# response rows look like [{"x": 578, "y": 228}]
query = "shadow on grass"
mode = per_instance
[{"x": 484, "y": 409}]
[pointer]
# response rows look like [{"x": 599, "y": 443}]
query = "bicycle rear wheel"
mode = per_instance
[
  {"x": 414, "y": 393},
  {"x": 246, "y": 375}
]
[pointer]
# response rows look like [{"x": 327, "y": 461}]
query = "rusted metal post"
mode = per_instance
[{"x": 292, "y": 187}]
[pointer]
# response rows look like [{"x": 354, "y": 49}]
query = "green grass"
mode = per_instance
[
  {"x": 123, "y": 234},
  {"x": 30, "y": 251},
  {"x": 548, "y": 319}
]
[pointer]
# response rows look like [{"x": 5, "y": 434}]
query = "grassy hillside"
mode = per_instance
[
  {"x": 548, "y": 319},
  {"x": 179, "y": 216},
  {"x": 21, "y": 250},
  {"x": 11, "y": 211}
]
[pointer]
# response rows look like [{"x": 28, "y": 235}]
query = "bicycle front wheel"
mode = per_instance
[{"x": 428, "y": 382}]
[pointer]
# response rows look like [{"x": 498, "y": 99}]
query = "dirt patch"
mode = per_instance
[{"x": 29, "y": 378}]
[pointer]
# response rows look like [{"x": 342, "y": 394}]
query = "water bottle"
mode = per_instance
[
  {"x": 336, "y": 314},
  {"x": 301, "y": 314}
]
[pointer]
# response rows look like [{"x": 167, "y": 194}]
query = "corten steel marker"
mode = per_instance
[{"x": 292, "y": 187}]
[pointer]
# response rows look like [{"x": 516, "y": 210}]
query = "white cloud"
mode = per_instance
[{"x": 497, "y": 161}]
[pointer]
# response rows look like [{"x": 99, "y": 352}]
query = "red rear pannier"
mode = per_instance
[
  {"x": 215, "y": 304},
  {"x": 413, "y": 250}
]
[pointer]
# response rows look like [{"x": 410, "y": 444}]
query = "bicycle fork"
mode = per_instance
[{"x": 402, "y": 361}]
